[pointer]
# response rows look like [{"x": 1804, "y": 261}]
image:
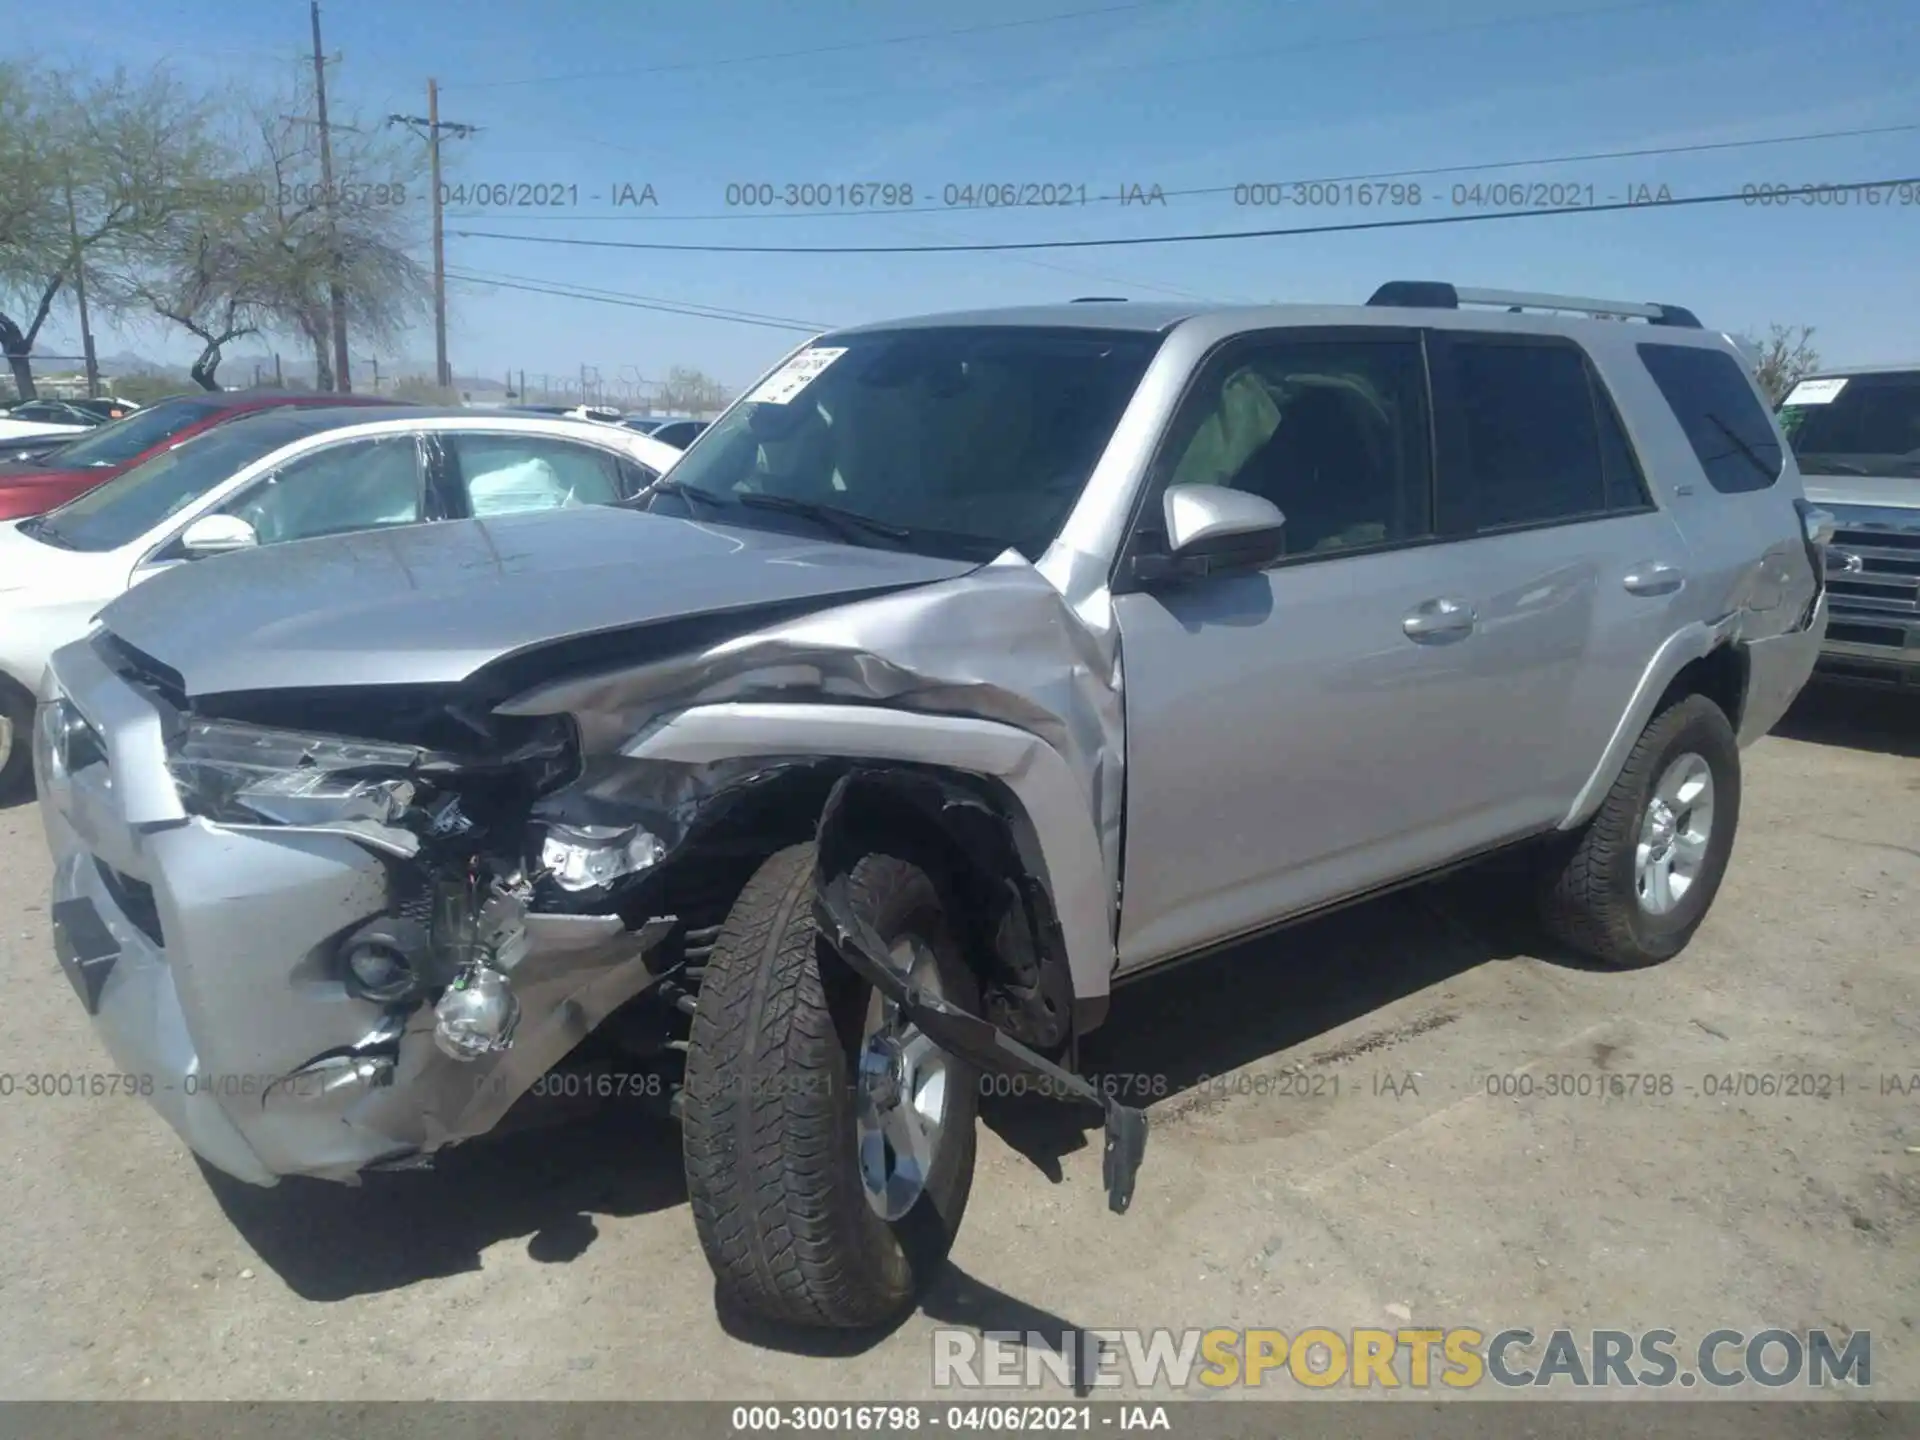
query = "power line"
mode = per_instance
[
  {"x": 911, "y": 39},
  {"x": 1118, "y": 241},
  {"x": 1588, "y": 157},
  {"x": 609, "y": 298},
  {"x": 718, "y": 312}
]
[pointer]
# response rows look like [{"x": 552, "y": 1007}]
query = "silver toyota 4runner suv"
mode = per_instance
[
  {"x": 1856, "y": 435},
  {"x": 968, "y": 666}
]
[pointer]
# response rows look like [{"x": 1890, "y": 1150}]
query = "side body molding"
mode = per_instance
[{"x": 1060, "y": 844}]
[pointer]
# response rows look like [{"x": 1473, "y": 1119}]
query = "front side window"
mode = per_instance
[
  {"x": 1334, "y": 433},
  {"x": 1715, "y": 404},
  {"x": 504, "y": 474},
  {"x": 1531, "y": 437},
  {"x": 1855, "y": 425},
  {"x": 152, "y": 492},
  {"x": 361, "y": 485},
  {"x": 961, "y": 441}
]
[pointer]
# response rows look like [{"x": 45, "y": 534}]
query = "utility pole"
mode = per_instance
[
  {"x": 336, "y": 296},
  {"x": 80, "y": 293},
  {"x": 431, "y": 125}
]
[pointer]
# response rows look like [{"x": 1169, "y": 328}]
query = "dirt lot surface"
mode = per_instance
[{"x": 562, "y": 1262}]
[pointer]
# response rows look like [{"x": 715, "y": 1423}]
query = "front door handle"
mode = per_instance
[
  {"x": 1436, "y": 622},
  {"x": 1656, "y": 577}
]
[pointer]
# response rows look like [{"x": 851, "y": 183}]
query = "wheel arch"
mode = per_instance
[
  {"x": 998, "y": 807},
  {"x": 1700, "y": 659}
]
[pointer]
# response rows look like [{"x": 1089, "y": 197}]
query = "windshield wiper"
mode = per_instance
[
  {"x": 1824, "y": 465},
  {"x": 674, "y": 488},
  {"x": 849, "y": 525},
  {"x": 40, "y": 528}
]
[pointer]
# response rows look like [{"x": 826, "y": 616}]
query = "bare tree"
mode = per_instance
[
  {"x": 1783, "y": 359},
  {"x": 93, "y": 168},
  {"x": 691, "y": 391},
  {"x": 297, "y": 233}
]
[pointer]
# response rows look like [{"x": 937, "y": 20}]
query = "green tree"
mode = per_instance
[
  {"x": 1783, "y": 359},
  {"x": 92, "y": 173}
]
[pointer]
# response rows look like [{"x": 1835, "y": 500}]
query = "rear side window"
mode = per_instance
[
  {"x": 1528, "y": 422},
  {"x": 1711, "y": 397}
]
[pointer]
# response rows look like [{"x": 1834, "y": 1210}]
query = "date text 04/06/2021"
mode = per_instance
[{"x": 975, "y": 1419}]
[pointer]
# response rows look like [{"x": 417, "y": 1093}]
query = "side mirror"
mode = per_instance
[
  {"x": 216, "y": 535},
  {"x": 1212, "y": 530}
]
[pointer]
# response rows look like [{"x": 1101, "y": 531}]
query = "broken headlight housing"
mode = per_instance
[{"x": 249, "y": 774}]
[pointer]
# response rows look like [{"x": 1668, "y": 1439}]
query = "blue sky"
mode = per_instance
[{"x": 1183, "y": 94}]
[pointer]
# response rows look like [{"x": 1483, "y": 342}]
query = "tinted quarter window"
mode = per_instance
[
  {"x": 1332, "y": 432},
  {"x": 1527, "y": 420},
  {"x": 1715, "y": 403}
]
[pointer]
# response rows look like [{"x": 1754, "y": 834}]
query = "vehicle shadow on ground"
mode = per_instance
[
  {"x": 550, "y": 1182},
  {"x": 1167, "y": 1034},
  {"x": 1858, "y": 718},
  {"x": 954, "y": 1299},
  {"x": 331, "y": 1242}
]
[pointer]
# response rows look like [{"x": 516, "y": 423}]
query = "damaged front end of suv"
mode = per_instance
[
  {"x": 799, "y": 815},
  {"x": 349, "y": 925}
]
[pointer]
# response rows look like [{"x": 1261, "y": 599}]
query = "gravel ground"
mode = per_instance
[{"x": 561, "y": 1262}]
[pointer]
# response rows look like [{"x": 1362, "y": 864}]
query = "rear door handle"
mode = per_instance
[
  {"x": 1436, "y": 622},
  {"x": 1656, "y": 577}
]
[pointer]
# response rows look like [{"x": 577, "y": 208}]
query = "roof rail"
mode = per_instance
[
  {"x": 1439, "y": 295},
  {"x": 1099, "y": 299}
]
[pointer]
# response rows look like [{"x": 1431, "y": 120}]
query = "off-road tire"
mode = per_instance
[
  {"x": 768, "y": 1108},
  {"x": 16, "y": 770},
  {"x": 1588, "y": 899}
]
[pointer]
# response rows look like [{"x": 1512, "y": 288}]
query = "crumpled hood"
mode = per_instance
[{"x": 431, "y": 604}]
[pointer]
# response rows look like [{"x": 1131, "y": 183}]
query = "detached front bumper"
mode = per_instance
[{"x": 208, "y": 960}]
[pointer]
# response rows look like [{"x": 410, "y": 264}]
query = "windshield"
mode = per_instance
[
  {"x": 118, "y": 441},
  {"x": 961, "y": 441},
  {"x": 129, "y": 505},
  {"x": 1856, "y": 425}
]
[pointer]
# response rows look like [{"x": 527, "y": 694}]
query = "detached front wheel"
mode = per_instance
[{"x": 829, "y": 1144}]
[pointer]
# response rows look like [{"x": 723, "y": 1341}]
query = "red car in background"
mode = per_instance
[{"x": 29, "y": 487}]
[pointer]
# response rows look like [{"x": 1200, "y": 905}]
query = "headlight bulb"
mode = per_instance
[{"x": 477, "y": 1014}]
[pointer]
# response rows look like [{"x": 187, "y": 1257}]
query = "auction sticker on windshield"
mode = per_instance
[
  {"x": 1816, "y": 392},
  {"x": 794, "y": 376}
]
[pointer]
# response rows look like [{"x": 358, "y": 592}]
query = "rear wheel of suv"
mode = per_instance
[
  {"x": 1639, "y": 879},
  {"x": 16, "y": 742},
  {"x": 829, "y": 1144}
]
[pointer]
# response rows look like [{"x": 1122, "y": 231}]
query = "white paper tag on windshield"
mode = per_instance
[
  {"x": 1816, "y": 392},
  {"x": 794, "y": 376}
]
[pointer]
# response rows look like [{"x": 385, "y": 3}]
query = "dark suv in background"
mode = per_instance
[
  {"x": 32, "y": 487},
  {"x": 1856, "y": 435}
]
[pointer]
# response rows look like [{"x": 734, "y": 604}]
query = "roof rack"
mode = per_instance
[{"x": 1439, "y": 295}]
